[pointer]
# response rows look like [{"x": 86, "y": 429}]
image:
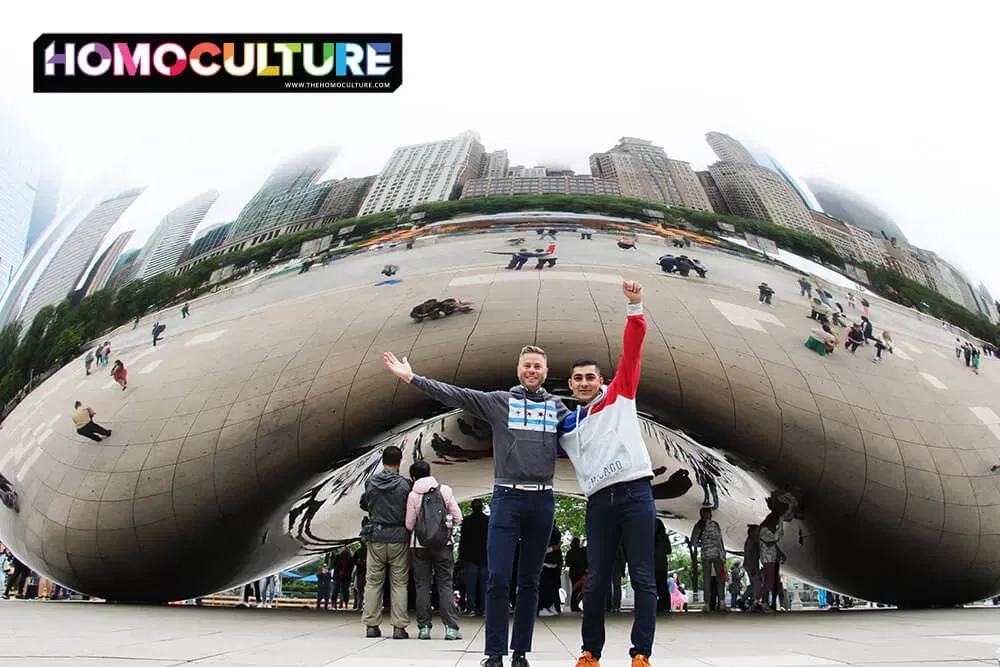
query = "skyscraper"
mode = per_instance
[
  {"x": 428, "y": 172},
  {"x": 164, "y": 248},
  {"x": 755, "y": 192},
  {"x": 845, "y": 204},
  {"x": 644, "y": 171},
  {"x": 98, "y": 277},
  {"x": 495, "y": 164},
  {"x": 21, "y": 170},
  {"x": 65, "y": 265},
  {"x": 713, "y": 192},
  {"x": 728, "y": 149},
  {"x": 43, "y": 211},
  {"x": 292, "y": 176}
]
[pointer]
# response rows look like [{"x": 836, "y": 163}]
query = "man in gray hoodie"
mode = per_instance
[
  {"x": 525, "y": 422},
  {"x": 388, "y": 545}
]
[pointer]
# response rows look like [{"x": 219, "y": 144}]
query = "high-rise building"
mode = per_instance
[
  {"x": 851, "y": 207},
  {"x": 989, "y": 303},
  {"x": 520, "y": 171},
  {"x": 428, "y": 172},
  {"x": 714, "y": 194},
  {"x": 345, "y": 198},
  {"x": 839, "y": 236},
  {"x": 754, "y": 192},
  {"x": 65, "y": 265},
  {"x": 164, "y": 248},
  {"x": 43, "y": 211},
  {"x": 728, "y": 149},
  {"x": 545, "y": 185},
  {"x": 22, "y": 181},
  {"x": 123, "y": 269},
  {"x": 692, "y": 194},
  {"x": 767, "y": 160},
  {"x": 868, "y": 247},
  {"x": 495, "y": 164},
  {"x": 208, "y": 239},
  {"x": 644, "y": 171},
  {"x": 289, "y": 178},
  {"x": 98, "y": 278}
]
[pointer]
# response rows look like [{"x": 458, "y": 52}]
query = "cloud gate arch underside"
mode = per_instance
[{"x": 246, "y": 450}]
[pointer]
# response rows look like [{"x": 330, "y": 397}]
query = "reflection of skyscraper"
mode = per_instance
[
  {"x": 98, "y": 277},
  {"x": 729, "y": 149},
  {"x": 65, "y": 266},
  {"x": 644, "y": 171},
  {"x": 23, "y": 191},
  {"x": 755, "y": 192},
  {"x": 842, "y": 203},
  {"x": 419, "y": 173},
  {"x": 164, "y": 248},
  {"x": 767, "y": 160},
  {"x": 288, "y": 178},
  {"x": 43, "y": 212}
]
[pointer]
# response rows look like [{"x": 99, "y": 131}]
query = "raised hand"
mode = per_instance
[
  {"x": 632, "y": 291},
  {"x": 400, "y": 369}
]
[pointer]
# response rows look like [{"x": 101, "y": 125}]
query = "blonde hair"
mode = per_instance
[{"x": 533, "y": 349}]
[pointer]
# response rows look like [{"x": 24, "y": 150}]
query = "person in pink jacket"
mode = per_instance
[{"x": 429, "y": 562}]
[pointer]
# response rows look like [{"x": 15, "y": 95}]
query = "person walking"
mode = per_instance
[
  {"x": 384, "y": 499},
  {"x": 765, "y": 292},
  {"x": 88, "y": 361},
  {"x": 434, "y": 561},
  {"x": 524, "y": 420},
  {"x": 83, "y": 419},
  {"x": 603, "y": 440},
  {"x": 119, "y": 373}
]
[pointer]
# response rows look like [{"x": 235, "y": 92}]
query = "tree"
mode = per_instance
[{"x": 66, "y": 346}]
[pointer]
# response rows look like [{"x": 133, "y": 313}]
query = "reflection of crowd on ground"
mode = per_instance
[
  {"x": 20, "y": 581},
  {"x": 835, "y": 327}
]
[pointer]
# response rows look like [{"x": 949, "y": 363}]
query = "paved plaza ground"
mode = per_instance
[{"x": 45, "y": 634}]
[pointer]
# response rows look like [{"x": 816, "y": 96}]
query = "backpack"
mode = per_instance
[{"x": 431, "y": 529}]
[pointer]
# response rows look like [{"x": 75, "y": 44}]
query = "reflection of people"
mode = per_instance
[
  {"x": 707, "y": 536},
  {"x": 604, "y": 441},
  {"x": 83, "y": 419},
  {"x": 524, "y": 421}
]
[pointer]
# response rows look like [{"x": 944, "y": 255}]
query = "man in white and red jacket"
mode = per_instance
[
  {"x": 428, "y": 562},
  {"x": 603, "y": 439}
]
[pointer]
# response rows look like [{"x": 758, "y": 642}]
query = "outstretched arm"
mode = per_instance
[
  {"x": 626, "y": 380},
  {"x": 475, "y": 401}
]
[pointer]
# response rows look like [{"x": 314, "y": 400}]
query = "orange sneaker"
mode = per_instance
[
  {"x": 588, "y": 660},
  {"x": 640, "y": 661}
]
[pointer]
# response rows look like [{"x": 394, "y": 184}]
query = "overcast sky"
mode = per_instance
[{"x": 894, "y": 102}]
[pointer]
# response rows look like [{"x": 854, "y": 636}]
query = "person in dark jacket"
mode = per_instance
[
  {"x": 323, "y": 581},
  {"x": 548, "y": 587},
  {"x": 388, "y": 545},
  {"x": 855, "y": 338},
  {"x": 343, "y": 569},
  {"x": 661, "y": 565},
  {"x": 576, "y": 561},
  {"x": 472, "y": 552},
  {"x": 525, "y": 422}
]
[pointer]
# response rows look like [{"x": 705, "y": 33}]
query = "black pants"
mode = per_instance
[
  {"x": 93, "y": 430},
  {"x": 851, "y": 345}
]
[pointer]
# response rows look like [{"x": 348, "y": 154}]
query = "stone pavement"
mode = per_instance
[{"x": 44, "y": 634}]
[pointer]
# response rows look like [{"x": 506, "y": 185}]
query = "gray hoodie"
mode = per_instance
[
  {"x": 525, "y": 427},
  {"x": 385, "y": 501}
]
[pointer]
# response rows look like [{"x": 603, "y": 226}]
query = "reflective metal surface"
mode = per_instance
[{"x": 244, "y": 438}]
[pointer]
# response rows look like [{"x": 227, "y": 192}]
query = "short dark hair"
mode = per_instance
[
  {"x": 419, "y": 470},
  {"x": 584, "y": 362},
  {"x": 392, "y": 456},
  {"x": 77, "y": 404}
]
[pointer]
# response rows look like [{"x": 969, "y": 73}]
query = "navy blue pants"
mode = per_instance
[
  {"x": 620, "y": 512},
  {"x": 528, "y": 516}
]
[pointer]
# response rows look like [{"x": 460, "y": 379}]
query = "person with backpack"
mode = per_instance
[{"x": 431, "y": 513}]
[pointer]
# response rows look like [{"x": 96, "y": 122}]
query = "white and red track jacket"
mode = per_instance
[{"x": 602, "y": 438}]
